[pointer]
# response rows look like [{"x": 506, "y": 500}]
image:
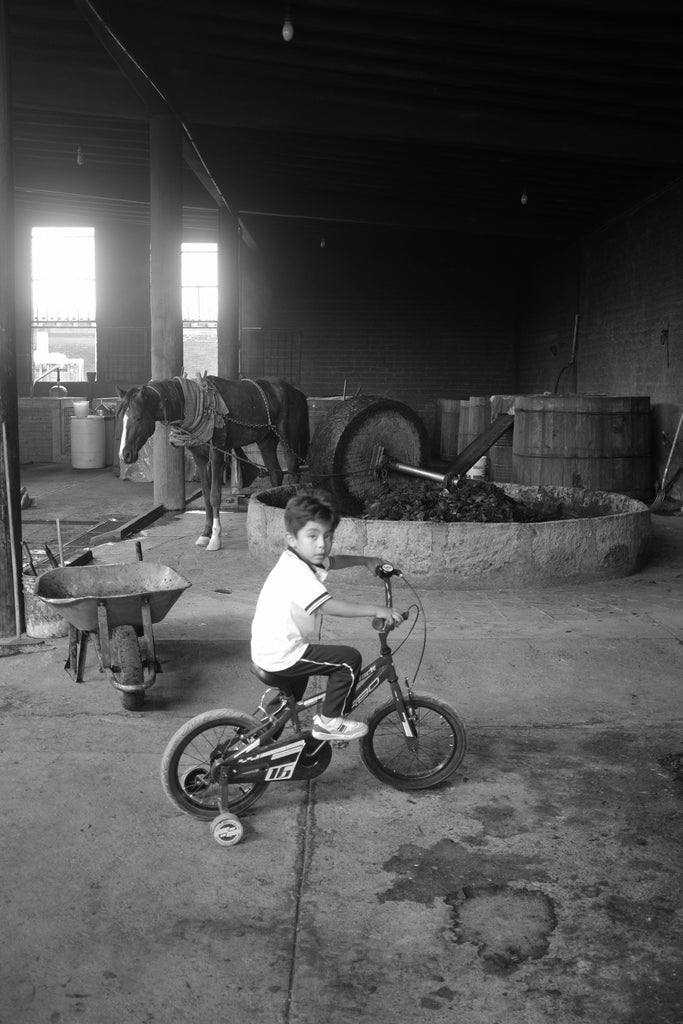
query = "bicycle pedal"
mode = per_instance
[{"x": 339, "y": 743}]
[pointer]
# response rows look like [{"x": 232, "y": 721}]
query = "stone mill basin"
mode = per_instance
[{"x": 609, "y": 538}]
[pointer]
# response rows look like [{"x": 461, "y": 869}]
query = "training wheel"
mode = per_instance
[{"x": 227, "y": 829}]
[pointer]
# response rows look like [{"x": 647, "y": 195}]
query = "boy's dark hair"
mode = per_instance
[{"x": 302, "y": 508}]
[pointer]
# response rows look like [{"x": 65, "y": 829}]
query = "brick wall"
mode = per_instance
[
  {"x": 625, "y": 279},
  {"x": 418, "y": 316},
  {"x": 549, "y": 302},
  {"x": 631, "y": 274},
  {"x": 412, "y": 316}
]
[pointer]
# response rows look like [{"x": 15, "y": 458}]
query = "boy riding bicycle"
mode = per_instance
[{"x": 285, "y": 631}]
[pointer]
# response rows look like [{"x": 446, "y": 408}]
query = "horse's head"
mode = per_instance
[{"x": 138, "y": 412}]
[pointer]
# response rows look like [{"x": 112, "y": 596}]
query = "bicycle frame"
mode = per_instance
[
  {"x": 226, "y": 758},
  {"x": 264, "y": 758}
]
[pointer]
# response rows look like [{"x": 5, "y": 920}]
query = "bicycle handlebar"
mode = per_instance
[{"x": 385, "y": 571}]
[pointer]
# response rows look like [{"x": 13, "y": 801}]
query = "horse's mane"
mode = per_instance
[
  {"x": 171, "y": 396},
  {"x": 168, "y": 392}
]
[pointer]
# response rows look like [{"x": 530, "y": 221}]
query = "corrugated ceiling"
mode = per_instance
[{"x": 429, "y": 113}]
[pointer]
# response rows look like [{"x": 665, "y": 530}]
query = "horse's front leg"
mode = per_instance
[
  {"x": 217, "y": 460},
  {"x": 268, "y": 449},
  {"x": 202, "y": 465}
]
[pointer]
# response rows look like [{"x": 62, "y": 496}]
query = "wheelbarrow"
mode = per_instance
[{"x": 116, "y": 605}]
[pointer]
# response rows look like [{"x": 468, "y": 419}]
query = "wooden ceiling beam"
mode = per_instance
[{"x": 229, "y": 104}]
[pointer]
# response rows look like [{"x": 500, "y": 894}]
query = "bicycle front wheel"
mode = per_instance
[
  {"x": 187, "y": 762},
  {"x": 419, "y": 764}
]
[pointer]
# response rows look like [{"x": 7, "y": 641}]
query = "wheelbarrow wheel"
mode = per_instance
[
  {"x": 126, "y": 649},
  {"x": 133, "y": 700}
]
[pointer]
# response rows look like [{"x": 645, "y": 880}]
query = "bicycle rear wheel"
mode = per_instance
[
  {"x": 191, "y": 753},
  {"x": 432, "y": 759}
]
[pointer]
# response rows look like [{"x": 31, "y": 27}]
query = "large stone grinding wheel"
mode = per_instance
[{"x": 340, "y": 455}]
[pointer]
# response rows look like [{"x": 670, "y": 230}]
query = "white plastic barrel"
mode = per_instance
[{"x": 88, "y": 442}]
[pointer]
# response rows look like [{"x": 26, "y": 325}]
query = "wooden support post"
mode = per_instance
[
  {"x": 228, "y": 296},
  {"x": 11, "y": 590},
  {"x": 165, "y": 292}
]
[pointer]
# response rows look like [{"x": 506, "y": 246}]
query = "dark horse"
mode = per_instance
[{"x": 212, "y": 417}]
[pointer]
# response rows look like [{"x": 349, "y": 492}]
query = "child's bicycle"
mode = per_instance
[{"x": 220, "y": 762}]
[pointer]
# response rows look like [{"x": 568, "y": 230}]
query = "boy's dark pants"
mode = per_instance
[{"x": 341, "y": 664}]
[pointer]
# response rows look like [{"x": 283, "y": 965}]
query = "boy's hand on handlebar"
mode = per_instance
[{"x": 392, "y": 616}]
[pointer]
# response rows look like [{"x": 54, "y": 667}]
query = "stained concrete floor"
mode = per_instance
[{"x": 542, "y": 883}]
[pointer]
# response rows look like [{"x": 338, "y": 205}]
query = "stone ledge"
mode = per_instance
[{"x": 472, "y": 555}]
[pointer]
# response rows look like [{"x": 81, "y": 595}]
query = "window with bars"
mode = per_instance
[
  {"x": 63, "y": 301},
  {"x": 200, "y": 307},
  {"x": 272, "y": 353}
]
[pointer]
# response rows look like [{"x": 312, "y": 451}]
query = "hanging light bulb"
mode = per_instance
[
  {"x": 287, "y": 28},
  {"x": 524, "y": 199}
]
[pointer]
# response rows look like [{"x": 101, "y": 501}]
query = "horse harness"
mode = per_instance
[{"x": 206, "y": 411}]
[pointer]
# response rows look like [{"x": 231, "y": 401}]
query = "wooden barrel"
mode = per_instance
[
  {"x": 341, "y": 451},
  {"x": 477, "y": 419},
  {"x": 597, "y": 442},
  {"x": 436, "y": 429},
  {"x": 500, "y": 459},
  {"x": 463, "y": 423},
  {"x": 449, "y": 425}
]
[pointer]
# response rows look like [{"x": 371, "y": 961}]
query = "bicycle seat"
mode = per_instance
[{"x": 280, "y": 682}]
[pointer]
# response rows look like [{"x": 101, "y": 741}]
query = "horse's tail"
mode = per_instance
[{"x": 294, "y": 424}]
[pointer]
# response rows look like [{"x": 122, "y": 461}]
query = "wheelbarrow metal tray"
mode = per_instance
[{"x": 76, "y": 592}]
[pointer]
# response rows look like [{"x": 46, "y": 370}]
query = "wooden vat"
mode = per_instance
[
  {"x": 592, "y": 441},
  {"x": 449, "y": 419},
  {"x": 475, "y": 417}
]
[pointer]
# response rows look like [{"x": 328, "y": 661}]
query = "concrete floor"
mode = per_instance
[{"x": 542, "y": 883}]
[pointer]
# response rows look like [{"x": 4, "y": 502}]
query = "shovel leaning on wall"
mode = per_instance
[{"x": 660, "y": 496}]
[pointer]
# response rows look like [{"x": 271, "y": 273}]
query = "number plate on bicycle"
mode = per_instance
[{"x": 276, "y": 763}]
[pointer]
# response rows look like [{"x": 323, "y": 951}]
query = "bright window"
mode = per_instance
[
  {"x": 200, "y": 307},
  {"x": 63, "y": 300}
]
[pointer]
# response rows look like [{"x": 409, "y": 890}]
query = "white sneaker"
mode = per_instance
[{"x": 337, "y": 728}]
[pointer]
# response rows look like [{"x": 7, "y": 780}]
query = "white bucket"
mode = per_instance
[
  {"x": 478, "y": 470},
  {"x": 81, "y": 408},
  {"x": 41, "y": 618},
  {"x": 88, "y": 442}
]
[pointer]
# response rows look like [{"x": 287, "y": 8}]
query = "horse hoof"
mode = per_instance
[
  {"x": 214, "y": 545},
  {"x": 202, "y": 542}
]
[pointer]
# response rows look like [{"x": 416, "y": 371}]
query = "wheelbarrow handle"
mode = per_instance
[{"x": 51, "y": 558}]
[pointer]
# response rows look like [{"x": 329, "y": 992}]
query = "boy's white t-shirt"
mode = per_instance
[{"x": 287, "y": 617}]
